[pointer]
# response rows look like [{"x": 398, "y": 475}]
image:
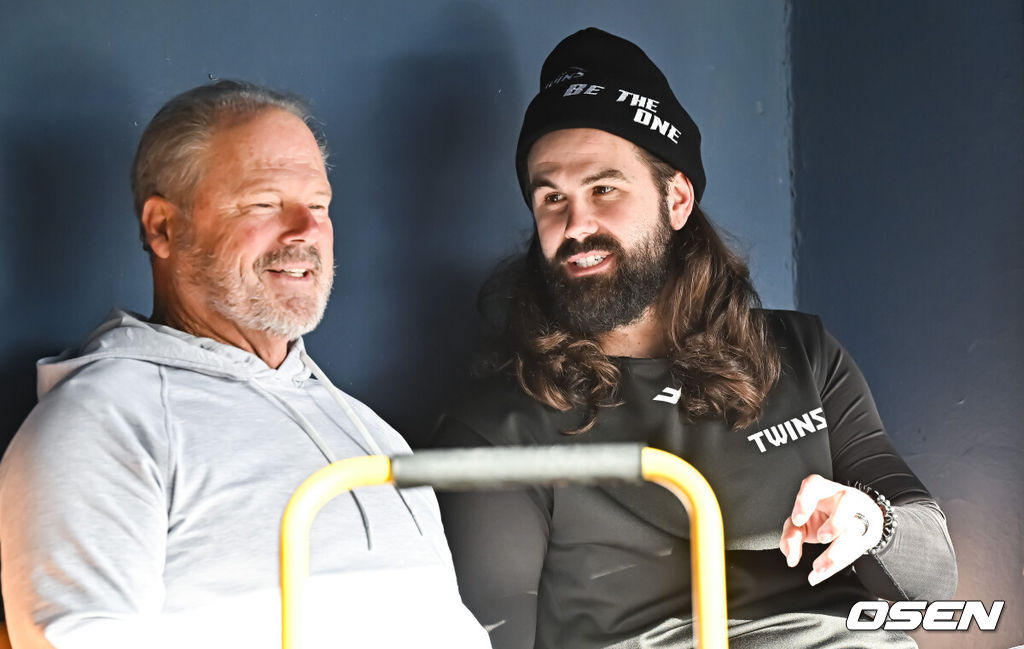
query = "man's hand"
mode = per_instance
[{"x": 828, "y": 512}]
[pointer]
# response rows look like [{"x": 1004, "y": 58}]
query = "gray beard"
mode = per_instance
[{"x": 250, "y": 305}]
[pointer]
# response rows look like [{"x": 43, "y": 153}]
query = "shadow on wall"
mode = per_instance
[
  {"x": 66, "y": 238},
  {"x": 438, "y": 157}
]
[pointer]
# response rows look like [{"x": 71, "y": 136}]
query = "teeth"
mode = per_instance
[
  {"x": 294, "y": 273},
  {"x": 592, "y": 260}
]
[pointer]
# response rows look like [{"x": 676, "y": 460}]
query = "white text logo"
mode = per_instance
[
  {"x": 669, "y": 395},
  {"x": 646, "y": 107},
  {"x": 937, "y": 616},
  {"x": 793, "y": 429},
  {"x": 574, "y": 72},
  {"x": 645, "y": 114}
]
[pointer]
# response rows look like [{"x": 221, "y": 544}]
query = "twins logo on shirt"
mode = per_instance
[
  {"x": 778, "y": 435},
  {"x": 792, "y": 429}
]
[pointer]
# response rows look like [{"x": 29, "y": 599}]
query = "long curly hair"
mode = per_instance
[{"x": 717, "y": 338}]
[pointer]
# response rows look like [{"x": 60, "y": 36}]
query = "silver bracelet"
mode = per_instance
[{"x": 888, "y": 515}]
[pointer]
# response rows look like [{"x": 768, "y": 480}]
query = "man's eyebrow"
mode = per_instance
[
  {"x": 604, "y": 174},
  {"x": 540, "y": 181},
  {"x": 257, "y": 186}
]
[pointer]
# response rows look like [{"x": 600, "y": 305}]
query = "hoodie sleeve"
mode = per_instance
[{"x": 83, "y": 511}]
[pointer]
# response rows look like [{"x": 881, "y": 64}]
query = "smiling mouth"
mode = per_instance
[
  {"x": 589, "y": 260},
  {"x": 291, "y": 272}
]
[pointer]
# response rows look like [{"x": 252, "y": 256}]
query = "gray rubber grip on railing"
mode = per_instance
[{"x": 515, "y": 466}]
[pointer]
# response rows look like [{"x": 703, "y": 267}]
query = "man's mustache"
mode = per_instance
[
  {"x": 290, "y": 254},
  {"x": 572, "y": 247}
]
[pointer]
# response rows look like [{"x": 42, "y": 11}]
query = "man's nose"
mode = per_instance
[
  {"x": 301, "y": 223},
  {"x": 580, "y": 222}
]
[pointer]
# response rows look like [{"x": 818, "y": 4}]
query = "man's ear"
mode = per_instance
[
  {"x": 157, "y": 213},
  {"x": 680, "y": 200}
]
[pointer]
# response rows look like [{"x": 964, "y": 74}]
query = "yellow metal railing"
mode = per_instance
[{"x": 482, "y": 468}]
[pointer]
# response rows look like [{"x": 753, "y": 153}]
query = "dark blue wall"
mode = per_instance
[
  {"x": 421, "y": 102},
  {"x": 908, "y": 173},
  {"x": 909, "y": 179}
]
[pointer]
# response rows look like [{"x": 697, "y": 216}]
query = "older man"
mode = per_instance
[
  {"x": 628, "y": 319},
  {"x": 140, "y": 500}
]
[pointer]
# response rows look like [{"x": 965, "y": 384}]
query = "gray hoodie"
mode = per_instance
[{"x": 140, "y": 504}]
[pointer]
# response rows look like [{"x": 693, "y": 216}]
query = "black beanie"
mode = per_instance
[{"x": 593, "y": 79}]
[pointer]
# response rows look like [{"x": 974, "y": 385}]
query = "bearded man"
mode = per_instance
[
  {"x": 629, "y": 320},
  {"x": 140, "y": 501}
]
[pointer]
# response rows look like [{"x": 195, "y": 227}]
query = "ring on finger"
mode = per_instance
[{"x": 863, "y": 520}]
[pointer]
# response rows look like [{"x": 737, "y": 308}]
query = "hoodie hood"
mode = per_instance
[{"x": 130, "y": 336}]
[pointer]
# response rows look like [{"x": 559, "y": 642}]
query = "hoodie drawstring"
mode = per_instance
[
  {"x": 312, "y": 433},
  {"x": 335, "y": 393},
  {"x": 354, "y": 418}
]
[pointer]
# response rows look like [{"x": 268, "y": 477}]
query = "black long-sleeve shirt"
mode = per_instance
[{"x": 587, "y": 567}]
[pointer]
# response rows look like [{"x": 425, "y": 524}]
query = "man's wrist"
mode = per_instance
[{"x": 888, "y": 515}]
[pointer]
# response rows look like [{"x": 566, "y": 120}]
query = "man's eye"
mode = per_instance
[
  {"x": 553, "y": 198},
  {"x": 603, "y": 189}
]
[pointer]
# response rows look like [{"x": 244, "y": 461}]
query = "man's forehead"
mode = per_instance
[
  {"x": 575, "y": 143},
  {"x": 590, "y": 153},
  {"x": 313, "y": 180},
  {"x": 265, "y": 145}
]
